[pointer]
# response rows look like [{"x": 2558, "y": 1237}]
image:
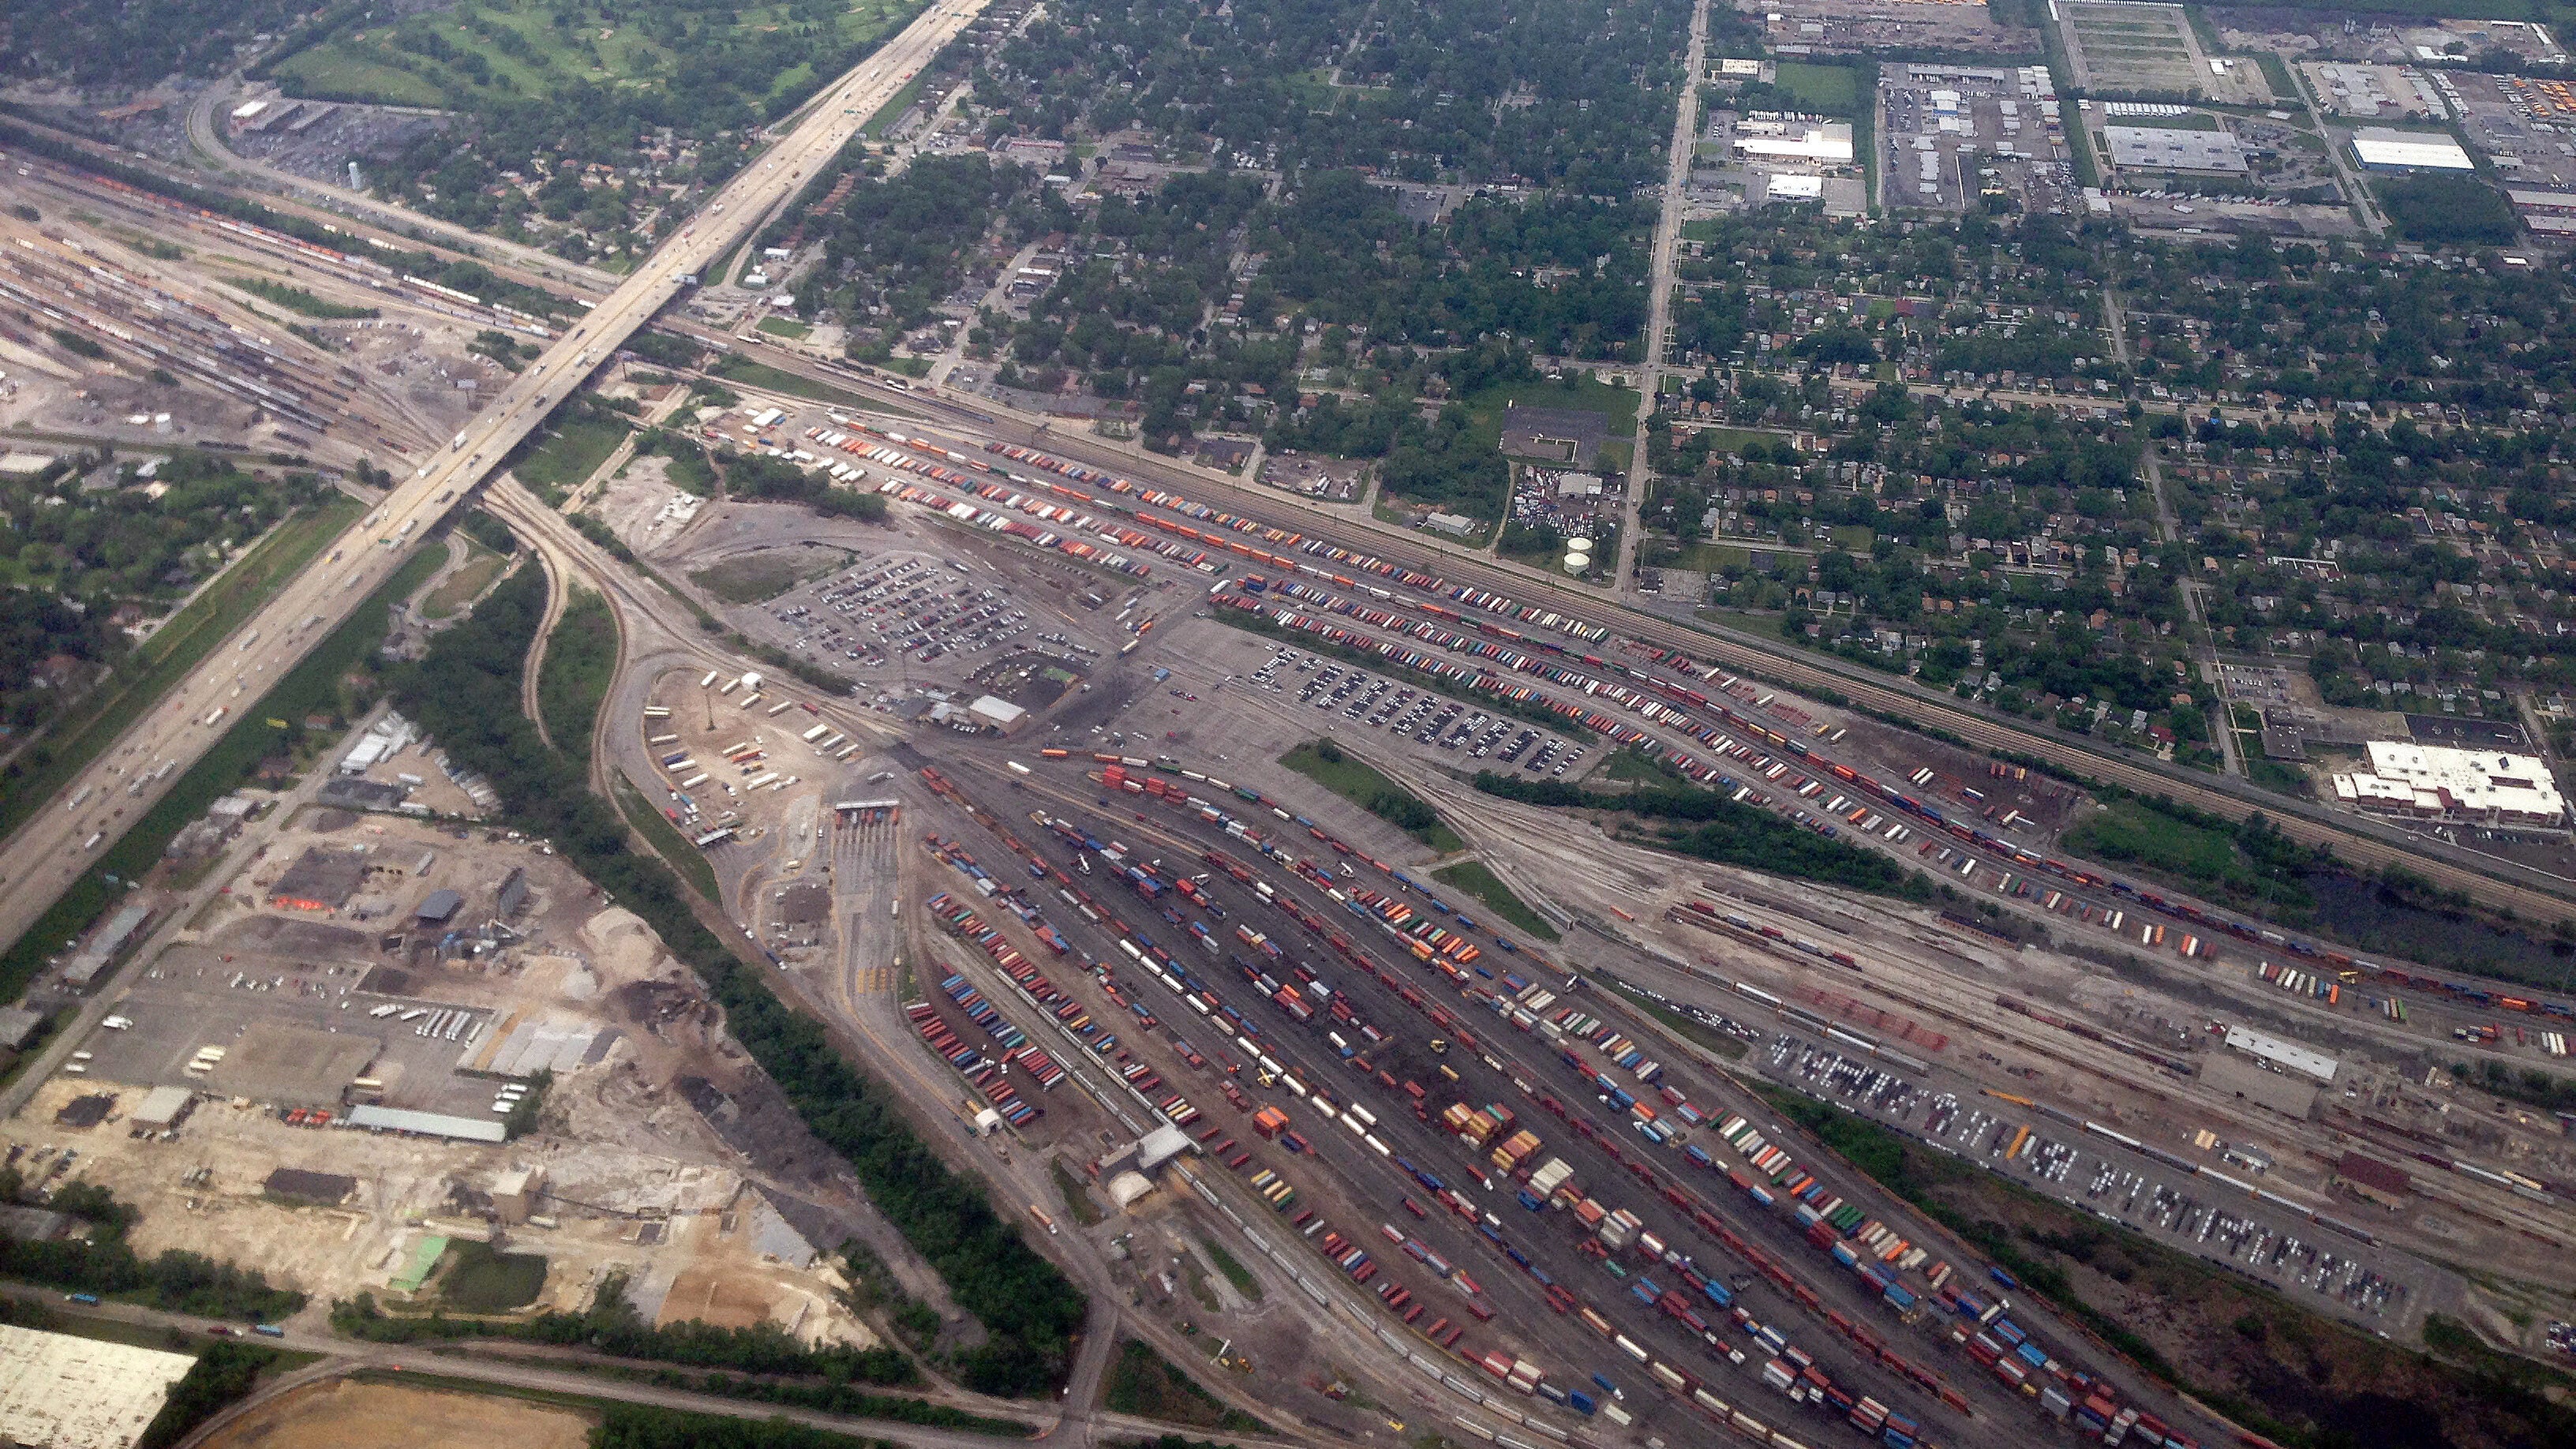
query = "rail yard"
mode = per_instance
[{"x": 1256, "y": 900}]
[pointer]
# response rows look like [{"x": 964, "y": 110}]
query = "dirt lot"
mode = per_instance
[{"x": 382, "y": 1416}]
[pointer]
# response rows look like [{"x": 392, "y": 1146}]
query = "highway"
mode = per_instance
[{"x": 51, "y": 848}]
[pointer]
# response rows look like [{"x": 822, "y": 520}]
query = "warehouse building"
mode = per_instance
[
  {"x": 122, "y": 930},
  {"x": 2164, "y": 148},
  {"x": 439, "y": 909},
  {"x": 2385, "y": 148},
  {"x": 1776, "y": 138},
  {"x": 69, "y": 1392},
  {"x": 2287, "y": 1056}
]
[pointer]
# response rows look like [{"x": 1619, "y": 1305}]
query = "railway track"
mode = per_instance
[{"x": 2524, "y": 892}]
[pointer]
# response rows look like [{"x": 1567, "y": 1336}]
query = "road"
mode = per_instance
[
  {"x": 2364, "y": 843},
  {"x": 48, "y": 851},
  {"x": 1659, "y": 290},
  {"x": 342, "y": 1357},
  {"x": 2204, "y": 645},
  {"x": 205, "y": 137}
]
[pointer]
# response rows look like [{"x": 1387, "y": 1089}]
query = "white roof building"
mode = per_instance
[
  {"x": 80, "y": 1393},
  {"x": 2384, "y": 148},
  {"x": 2488, "y": 787},
  {"x": 1828, "y": 143},
  {"x": 1786, "y": 186},
  {"x": 997, "y": 712},
  {"x": 2288, "y": 1056}
]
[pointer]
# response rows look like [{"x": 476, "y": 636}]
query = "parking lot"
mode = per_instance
[
  {"x": 909, "y": 604},
  {"x": 2185, "y": 1212},
  {"x": 1433, "y": 720}
]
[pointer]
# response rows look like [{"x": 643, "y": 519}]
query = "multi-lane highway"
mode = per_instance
[{"x": 51, "y": 849}]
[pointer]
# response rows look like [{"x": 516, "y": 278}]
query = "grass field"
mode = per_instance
[
  {"x": 781, "y": 327},
  {"x": 464, "y": 586},
  {"x": 2130, "y": 831},
  {"x": 311, "y": 685},
  {"x": 481, "y": 1280},
  {"x": 1829, "y": 90},
  {"x": 569, "y": 452},
  {"x": 1233, "y": 1269},
  {"x": 736, "y": 368},
  {"x": 164, "y": 659},
  {"x": 1077, "y": 1198},
  {"x": 1371, "y": 791},
  {"x": 1478, "y": 880}
]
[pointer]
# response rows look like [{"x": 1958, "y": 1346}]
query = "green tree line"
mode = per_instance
[{"x": 465, "y": 692}]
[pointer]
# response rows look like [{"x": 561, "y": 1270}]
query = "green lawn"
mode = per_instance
[
  {"x": 164, "y": 659},
  {"x": 1830, "y": 90},
  {"x": 335, "y": 72},
  {"x": 569, "y": 452},
  {"x": 1077, "y": 1198},
  {"x": 781, "y": 327},
  {"x": 1476, "y": 879},
  {"x": 1146, "y": 1384},
  {"x": 1325, "y": 763},
  {"x": 758, "y": 577},
  {"x": 892, "y": 111},
  {"x": 1233, "y": 1269}
]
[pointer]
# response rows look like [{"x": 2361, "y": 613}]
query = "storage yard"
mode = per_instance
[{"x": 320, "y": 1072}]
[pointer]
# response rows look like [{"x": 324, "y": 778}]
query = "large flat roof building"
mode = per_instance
[
  {"x": 69, "y": 1392},
  {"x": 2166, "y": 148},
  {"x": 2437, "y": 782},
  {"x": 2385, "y": 148},
  {"x": 1827, "y": 143}
]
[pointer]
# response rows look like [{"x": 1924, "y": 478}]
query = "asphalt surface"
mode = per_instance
[{"x": 50, "y": 849}]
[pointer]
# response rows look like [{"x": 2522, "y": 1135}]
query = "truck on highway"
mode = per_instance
[
  {"x": 458, "y": 443},
  {"x": 217, "y": 713}
]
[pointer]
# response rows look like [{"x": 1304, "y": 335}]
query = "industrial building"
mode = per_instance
[
  {"x": 997, "y": 714},
  {"x": 515, "y": 1193},
  {"x": 319, "y": 880},
  {"x": 163, "y": 1108},
  {"x": 2164, "y": 148},
  {"x": 1762, "y": 137},
  {"x": 2285, "y": 1055},
  {"x": 2469, "y": 787},
  {"x": 122, "y": 930},
  {"x": 2385, "y": 148},
  {"x": 2375, "y": 1180},
  {"x": 439, "y": 909},
  {"x": 427, "y": 1124},
  {"x": 69, "y": 1392}
]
